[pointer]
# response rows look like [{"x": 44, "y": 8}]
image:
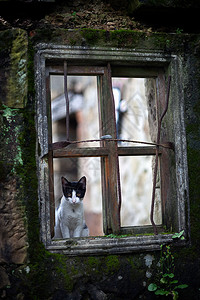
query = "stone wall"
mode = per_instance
[{"x": 27, "y": 269}]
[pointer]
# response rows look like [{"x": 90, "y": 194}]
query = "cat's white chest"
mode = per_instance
[{"x": 71, "y": 214}]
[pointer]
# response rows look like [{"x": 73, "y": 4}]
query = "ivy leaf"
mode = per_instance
[
  {"x": 162, "y": 292},
  {"x": 178, "y": 235},
  {"x": 152, "y": 287},
  {"x": 174, "y": 281},
  {"x": 182, "y": 286},
  {"x": 163, "y": 280},
  {"x": 171, "y": 275},
  {"x": 175, "y": 295}
]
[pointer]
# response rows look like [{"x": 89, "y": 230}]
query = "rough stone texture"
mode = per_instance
[
  {"x": 13, "y": 237},
  {"x": 13, "y": 95},
  {"x": 4, "y": 280},
  {"x": 55, "y": 276},
  {"x": 13, "y": 68}
]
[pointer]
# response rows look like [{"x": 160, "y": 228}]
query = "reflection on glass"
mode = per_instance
[
  {"x": 83, "y": 109},
  {"x": 73, "y": 169},
  {"x": 136, "y": 185}
]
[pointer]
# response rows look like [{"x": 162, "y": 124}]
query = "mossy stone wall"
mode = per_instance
[{"x": 27, "y": 270}]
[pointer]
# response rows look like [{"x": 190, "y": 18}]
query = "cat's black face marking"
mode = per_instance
[{"x": 78, "y": 186}]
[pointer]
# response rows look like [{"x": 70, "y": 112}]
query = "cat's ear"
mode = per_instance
[
  {"x": 64, "y": 181},
  {"x": 82, "y": 181}
]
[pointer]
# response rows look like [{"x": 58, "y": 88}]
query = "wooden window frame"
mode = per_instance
[{"x": 49, "y": 60}]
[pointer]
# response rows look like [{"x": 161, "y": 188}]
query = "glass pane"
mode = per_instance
[
  {"x": 73, "y": 169},
  {"x": 136, "y": 174},
  {"x": 83, "y": 109},
  {"x": 133, "y": 111}
]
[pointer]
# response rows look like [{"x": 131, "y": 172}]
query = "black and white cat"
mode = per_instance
[{"x": 69, "y": 216}]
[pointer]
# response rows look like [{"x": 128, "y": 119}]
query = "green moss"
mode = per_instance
[
  {"x": 194, "y": 190},
  {"x": 112, "y": 264},
  {"x": 124, "y": 38},
  {"x": 93, "y": 261},
  {"x": 11, "y": 126},
  {"x": 94, "y": 265},
  {"x": 50, "y": 272},
  {"x": 66, "y": 272},
  {"x": 28, "y": 176},
  {"x": 72, "y": 41},
  {"x": 114, "y": 38},
  {"x": 17, "y": 81},
  {"x": 92, "y": 36},
  {"x": 30, "y": 70}
]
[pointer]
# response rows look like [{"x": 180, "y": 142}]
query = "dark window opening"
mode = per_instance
[{"x": 86, "y": 122}]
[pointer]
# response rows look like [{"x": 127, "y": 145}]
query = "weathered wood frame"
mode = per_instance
[{"x": 49, "y": 60}]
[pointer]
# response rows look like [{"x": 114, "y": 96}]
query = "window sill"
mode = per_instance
[{"x": 107, "y": 245}]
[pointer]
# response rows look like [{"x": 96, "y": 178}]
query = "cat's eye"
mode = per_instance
[
  {"x": 69, "y": 194},
  {"x": 78, "y": 194}
]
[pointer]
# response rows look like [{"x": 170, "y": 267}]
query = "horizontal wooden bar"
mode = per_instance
[
  {"x": 103, "y": 151},
  {"x": 117, "y": 71},
  {"x": 135, "y": 72},
  {"x": 143, "y": 229},
  {"x": 81, "y": 152},
  {"x": 76, "y": 70},
  {"x": 134, "y": 151}
]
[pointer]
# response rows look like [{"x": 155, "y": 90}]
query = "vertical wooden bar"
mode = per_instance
[
  {"x": 50, "y": 156},
  {"x": 109, "y": 167},
  {"x": 104, "y": 161},
  {"x": 116, "y": 146},
  {"x": 166, "y": 195},
  {"x": 67, "y": 100}
]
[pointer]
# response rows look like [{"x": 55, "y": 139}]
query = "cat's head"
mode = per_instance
[{"x": 74, "y": 191}]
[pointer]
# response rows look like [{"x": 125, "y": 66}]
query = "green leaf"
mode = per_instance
[
  {"x": 174, "y": 281},
  {"x": 178, "y": 235},
  {"x": 112, "y": 235},
  {"x": 152, "y": 287},
  {"x": 181, "y": 233},
  {"x": 163, "y": 280},
  {"x": 182, "y": 286},
  {"x": 175, "y": 295},
  {"x": 171, "y": 275},
  {"x": 162, "y": 292}
]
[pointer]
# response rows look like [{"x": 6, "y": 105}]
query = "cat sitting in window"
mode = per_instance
[{"x": 69, "y": 216}]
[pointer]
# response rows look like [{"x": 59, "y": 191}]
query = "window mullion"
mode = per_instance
[{"x": 109, "y": 163}]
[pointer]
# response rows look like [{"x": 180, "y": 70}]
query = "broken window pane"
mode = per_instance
[
  {"x": 73, "y": 169},
  {"x": 131, "y": 110},
  {"x": 136, "y": 175},
  {"x": 83, "y": 109}
]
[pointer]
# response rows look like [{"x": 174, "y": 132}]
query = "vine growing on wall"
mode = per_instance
[{"x": 165, "y": 282}]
